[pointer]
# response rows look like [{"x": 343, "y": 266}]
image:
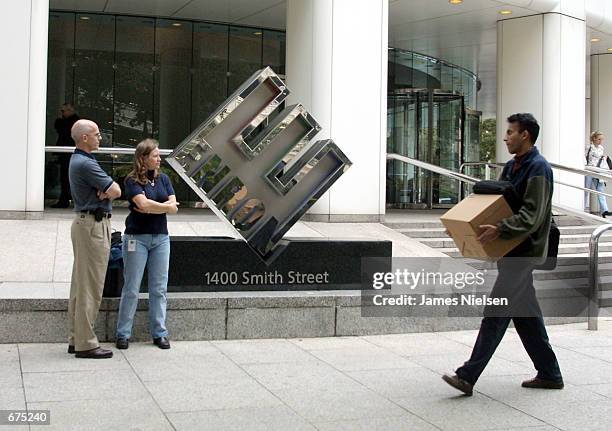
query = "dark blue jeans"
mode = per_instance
[{"x": 515, "y": 282}]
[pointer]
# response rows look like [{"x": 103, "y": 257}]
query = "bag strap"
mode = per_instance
[{"x": 587, "y": 155}]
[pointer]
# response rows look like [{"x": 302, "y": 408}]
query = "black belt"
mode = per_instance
[{"x": 98, "y": 213}]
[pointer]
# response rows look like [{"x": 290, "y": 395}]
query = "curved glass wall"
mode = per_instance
[
  {"x": 140, "y": 77},
  {"x": 430, "y": 117}
]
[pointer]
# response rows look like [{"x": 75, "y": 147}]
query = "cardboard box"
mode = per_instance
[{"x": 463, "y": 221}]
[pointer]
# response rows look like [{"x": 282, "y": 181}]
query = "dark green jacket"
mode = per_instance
[{"x": 533, "y": 181}]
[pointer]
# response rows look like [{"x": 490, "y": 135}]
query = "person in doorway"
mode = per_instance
[
  {"x": 596, "y": 157},
  {"x": 146, "y": 243},
  {"x": 63, "y": 126},
  {"x": 531, "y": 176},
  {"x": 93, "y": 192}
]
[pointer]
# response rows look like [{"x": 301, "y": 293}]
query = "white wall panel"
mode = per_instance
[
  {"x": 541, "y": 69},
  {"x": 568, "y": 148},
  {"x": 14, "y": 82},
  {"x": 519, "y": 73},
  {"x": 358, "y": 83},
  {"x": 35, "y": 168},
  {"x": 337, "y": 68}
]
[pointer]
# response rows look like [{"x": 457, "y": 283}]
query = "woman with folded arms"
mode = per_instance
[{"x": 146, "y": 243}]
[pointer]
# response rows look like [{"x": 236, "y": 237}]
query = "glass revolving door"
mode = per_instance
[{"x": 427, "y": 125}]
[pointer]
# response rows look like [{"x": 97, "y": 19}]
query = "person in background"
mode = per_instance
[
  {"x": 595, "y": 156},
  {"x": 63, "y": 126},
  {"x": 146, "y": 243}
]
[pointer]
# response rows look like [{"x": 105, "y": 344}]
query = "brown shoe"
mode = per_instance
[
  {"x": 458, "y": 383},
  {"x": 97, "y": 353},
  {"x": 538, "y": 383}
]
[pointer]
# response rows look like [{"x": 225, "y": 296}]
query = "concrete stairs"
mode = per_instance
[{"x": 572, "y": 268}]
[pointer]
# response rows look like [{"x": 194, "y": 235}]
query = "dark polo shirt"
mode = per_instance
[
  {"x": 86, "y": 179},
  {"x": 157, "y": 190}
]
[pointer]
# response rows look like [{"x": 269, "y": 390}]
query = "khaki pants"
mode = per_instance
[{"x": 91, "y": 247}]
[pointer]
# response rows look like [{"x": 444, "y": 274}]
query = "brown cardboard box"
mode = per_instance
[{"x": 463, "y": 221}]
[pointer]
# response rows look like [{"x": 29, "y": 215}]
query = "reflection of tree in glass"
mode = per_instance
[
  {"x": 133, "y": 98},
  {"x": 94, "y": 87}
]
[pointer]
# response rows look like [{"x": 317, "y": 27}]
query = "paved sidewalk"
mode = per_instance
[{"x": 386, "y": 382}]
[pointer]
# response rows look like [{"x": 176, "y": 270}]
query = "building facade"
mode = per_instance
[{"x": 412, "y": 77}]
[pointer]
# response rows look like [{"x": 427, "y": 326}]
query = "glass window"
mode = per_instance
[
  {"x": 140, "y": 76},
  {"x": 59, "y": 68},
  {"x": 209, "y": 85},
  {"x": 94, "y": 73},
  {"x": 245, "y": 46},
  {"x": 173, "y": 50},
  {"x": 446, "y": 78},
  {"x": 420, "y": 76},
  {"x": 273, "y": 54},
  {"x": 403, "y": 70},
  {"x": 133, "y": 81}
]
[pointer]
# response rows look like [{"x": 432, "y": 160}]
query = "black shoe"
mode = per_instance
[
  {"x": 162, "y": 342},
  {"x": 604, "y": 214},
  {"x": 59, "y": 204},
  {"x": 122, "y": 343},
  {"x": 538, "y": 383},
  {"x": 70, "y": 349},
  {"x": 458, "y": 383},
  {"x": 97, "y": 353}
]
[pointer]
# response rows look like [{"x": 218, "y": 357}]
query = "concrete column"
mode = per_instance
[
  {"x": 541, "y": 69},
  {"x": 22, "y": 115},
  {"x": 337, "y": 68}
]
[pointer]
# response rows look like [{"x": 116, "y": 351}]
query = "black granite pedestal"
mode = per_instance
[{"x": 207, "y": 264}]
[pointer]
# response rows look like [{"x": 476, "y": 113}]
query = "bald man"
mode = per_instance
[{"x": 92, "y": 193}]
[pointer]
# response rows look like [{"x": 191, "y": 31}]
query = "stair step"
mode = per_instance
[
  {"x": 576, "y": 230},
  {"x": 606, "y": 299},
  {"x": 438, "y": 232},
  {"x": 569, "y": 234},
  {"x": 581, "y": 238},
  {"x": 571, "y": 241},
  {"x": 415, "y": 225},
  {"x": 573, "y": 221},
  {"x": 563, "y": 249}
]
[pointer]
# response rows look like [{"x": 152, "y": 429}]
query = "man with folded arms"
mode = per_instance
[{"x": 92, "y": 193}]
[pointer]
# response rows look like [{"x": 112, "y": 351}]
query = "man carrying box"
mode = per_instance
[{"x": 531, "y": 175}]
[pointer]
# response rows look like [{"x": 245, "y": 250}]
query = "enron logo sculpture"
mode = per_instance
[{"x": 259, "y": 176}]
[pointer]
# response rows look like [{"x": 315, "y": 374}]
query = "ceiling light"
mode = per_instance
[
  {"x": 455, "y": 1},
  {"x": 595, "y": 39},
  {"x": 505, "y": 12},
  {"x": 84, "y": 18},
  {"x": 257, "y": 33},
  {"x": 177, "y": 24},
  {"x": 610, "y": 49}
]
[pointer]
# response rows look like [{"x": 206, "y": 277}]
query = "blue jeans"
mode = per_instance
[
  {"x": 598, "y": 185},
  {"x": 152, "y": 251}
]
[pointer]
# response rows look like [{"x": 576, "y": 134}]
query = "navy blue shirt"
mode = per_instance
[
  {"x": 159, "y": 190},
  {"x": 87, "y": 178}
]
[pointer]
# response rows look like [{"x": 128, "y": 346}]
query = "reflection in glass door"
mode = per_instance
[
  {"x": 446, "y": 147},
  {"x": 429, "y": 126}
]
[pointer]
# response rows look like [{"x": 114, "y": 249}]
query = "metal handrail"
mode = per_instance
[
  {"x": 593, "y": 310},
  {"x": 103, "y": 150},
  {"x": 591, "y": 171},
  {"x": 593, "y": 306}
]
